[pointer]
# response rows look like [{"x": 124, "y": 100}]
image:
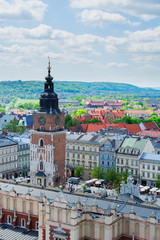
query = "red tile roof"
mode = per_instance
[
  {"x": 95, "y": 127},
  {"x": 152, "y": 134},
  {"x": 133, "y": 128},
  {"x": 151, "y": 126},
  {"x": 18, "y": 112},
  {"x": 84, "y": 118}
]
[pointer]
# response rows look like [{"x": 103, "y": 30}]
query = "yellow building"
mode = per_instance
[{"x": 83, "y": 150}]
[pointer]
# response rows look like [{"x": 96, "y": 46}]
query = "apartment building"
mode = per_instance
[
  {"x": 83, "y": 150},
  {"x": 149, "y": 168},
  {"x": 129, "y": 154},
  {"x": 8, "y": 158},
  {"x": 107, "y": 153}
]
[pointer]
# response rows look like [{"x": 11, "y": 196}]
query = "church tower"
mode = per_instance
[{"x": 48, "y": 140}]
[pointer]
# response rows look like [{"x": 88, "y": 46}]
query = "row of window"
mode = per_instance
[
  {"x": 148, "y": 175},
  {"x": 128, "y": 151},
  {"x": 107, "y": 156},
  {"x": 135, "y": 163},
  {"x": 23, "y": 165},
  {"x": 8, "y": 150},
  {"x": 108, "y": 163},
  {"x": 9, "y": 159},
  {"x": 106, "y": 148},
  {"x": 83, "y": 156},
  {"x": 82, "y": 148},
  {"x": 127, "y": 162},
  {"x": 9, "y": 167},
  {"x": 132, "y": 171},
  {"x": 23, "y": 152},
  {"x": 147, "y": 166},
  {"x": 23, "y": 159},
  {"x": 79, "y": 164},
  {"x": 23, "y": 222},
  {"x": 23, "y": 146}
]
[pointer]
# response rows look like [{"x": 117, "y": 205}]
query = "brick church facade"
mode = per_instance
[{"x": 48, "y": 140}]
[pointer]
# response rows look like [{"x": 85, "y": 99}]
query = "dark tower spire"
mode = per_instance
[{"x": 49, "y": 99}]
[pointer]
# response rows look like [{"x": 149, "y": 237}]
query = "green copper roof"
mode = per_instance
[{"x": 134, "y": 143}]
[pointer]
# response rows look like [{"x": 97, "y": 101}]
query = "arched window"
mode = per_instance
[
  {"x": 41, "y": 143},
  {"x": 23, "y": 223},
  {"x": 9, "y": 220},
  {"x": 41, "y": 166}
]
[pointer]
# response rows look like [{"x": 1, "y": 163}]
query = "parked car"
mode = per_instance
[
  {"x": 19, "y": 179},
  {"x": 73, "y": 180},
  {"x": 88, "y": 190}
]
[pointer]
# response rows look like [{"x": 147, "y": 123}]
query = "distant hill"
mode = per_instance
[{"x": 32, "y": 89}]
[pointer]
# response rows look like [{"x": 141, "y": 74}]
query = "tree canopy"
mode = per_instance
[
  {"x": 78, "y": 171},
  {"x": 97, "y": 172}
]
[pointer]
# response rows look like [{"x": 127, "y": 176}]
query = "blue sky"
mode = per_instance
[{"x": 87, "y": 40}]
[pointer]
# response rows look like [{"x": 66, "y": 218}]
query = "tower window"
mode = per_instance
[
  {"x": 9, "y": 220},
  {"x": 41, "y": 166},
  {"x": 41, "y": 143},
  {"x": 23, "y": 223}
]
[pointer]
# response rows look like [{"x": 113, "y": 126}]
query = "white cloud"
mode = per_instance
[
  {"x": 144, "y": 9},
  {"x": 69, "y": 47},
  {"x": 114, "y": 43},
  {"x": 38, "y": 42},
  {"x": 138, "y": 42},
  {"x": 98, "y": 17},
  {"x": 21, "y": 10},
  {"x": 117, "y": 65}
]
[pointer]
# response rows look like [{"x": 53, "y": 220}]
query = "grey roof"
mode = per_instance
[
  {"x": 21, "y": 140},
  {"x": 85, "y": 137},
  {"x": 4, "y": 142},
  {"x": 8, "y": 232},
  {"x": 156, "y": 144},
  {"x": 144, "y": 211},
  {"x": 40, "y": 174},
  {"x": 29, "y": 120},
  {"x": 134, "y": 143},
  {"x": 111, "y": 130},
  {"x": 127, "y": 197},
  {"x": 150, "y": 157},
  {"x": 122, "y": 206},
  {"x": 6, "y": 118}
]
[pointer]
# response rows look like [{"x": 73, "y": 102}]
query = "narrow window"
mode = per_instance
[
  {"x": 41, "y": 143},
  {"x": 9, "y": 220},
  {"x": 23, "y": 223},
  {"x": 41, "y": 166}
]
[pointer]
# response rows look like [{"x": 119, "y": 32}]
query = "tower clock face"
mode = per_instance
[
  {"x": 41, "y": 120},
  {"x": 57, "y": 120}
]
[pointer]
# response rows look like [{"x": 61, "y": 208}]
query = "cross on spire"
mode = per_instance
[{"x": 49, "y": 66}]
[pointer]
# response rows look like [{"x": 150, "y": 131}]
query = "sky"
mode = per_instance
[{"x": 86, "y": 40}]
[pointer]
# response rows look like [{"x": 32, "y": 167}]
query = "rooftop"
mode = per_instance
[
  {"x": 150, "y": 157},
  {"x": 85, "y": 137},
  {"x": 4, "y": 142},
  {"x": 7, "y": 232},
  {"x": 136, "y": 143}
]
